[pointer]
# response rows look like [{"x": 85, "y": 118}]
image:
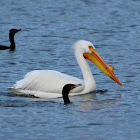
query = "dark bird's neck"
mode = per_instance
[
  {"x": 11, "y": 38},
  {"x": 66, "y": 99},
  {"x": 65, "y": 96}
]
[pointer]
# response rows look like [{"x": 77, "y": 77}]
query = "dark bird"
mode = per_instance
[
  {"x": 65, "y": 92},
  {"x": 12, "y": 47}
]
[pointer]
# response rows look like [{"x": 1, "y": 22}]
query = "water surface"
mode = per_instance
[{"x": 49, "y": 28}]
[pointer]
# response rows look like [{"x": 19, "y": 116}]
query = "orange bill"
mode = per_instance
[{"x": 99, "y": 62}]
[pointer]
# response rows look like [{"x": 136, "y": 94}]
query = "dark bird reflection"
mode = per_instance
[{"x": 12, "y": 46}]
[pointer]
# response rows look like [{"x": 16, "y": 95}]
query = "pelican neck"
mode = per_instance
[{"x": 89, "y": 81}]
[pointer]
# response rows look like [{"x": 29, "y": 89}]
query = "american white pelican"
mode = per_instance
[{"x": 49, "y": 83}]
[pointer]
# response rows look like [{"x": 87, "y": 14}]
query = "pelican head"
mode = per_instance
[{"x": 89, "y": 52}]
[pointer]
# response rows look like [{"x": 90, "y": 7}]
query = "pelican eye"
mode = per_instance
[{"x": 91, "y": 48}]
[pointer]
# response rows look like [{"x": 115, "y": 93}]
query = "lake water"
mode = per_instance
[{"x": 49, "y": 28}]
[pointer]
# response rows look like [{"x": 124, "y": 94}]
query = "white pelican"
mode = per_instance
[{"x": 49, "y": 83}]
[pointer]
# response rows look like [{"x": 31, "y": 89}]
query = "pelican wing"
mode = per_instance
[
  {"x": 47, "y": 81},
  {"x": 38, "y": 94}
]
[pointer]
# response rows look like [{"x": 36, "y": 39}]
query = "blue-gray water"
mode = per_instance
[{"x": 49, "y": 28}]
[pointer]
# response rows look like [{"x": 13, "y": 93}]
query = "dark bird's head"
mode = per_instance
[
  {"x": 14, "y": 31},
  {"x": 66, "y": 90}
]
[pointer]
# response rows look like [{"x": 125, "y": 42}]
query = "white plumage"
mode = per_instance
[{"x": 49, "y": 83}]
